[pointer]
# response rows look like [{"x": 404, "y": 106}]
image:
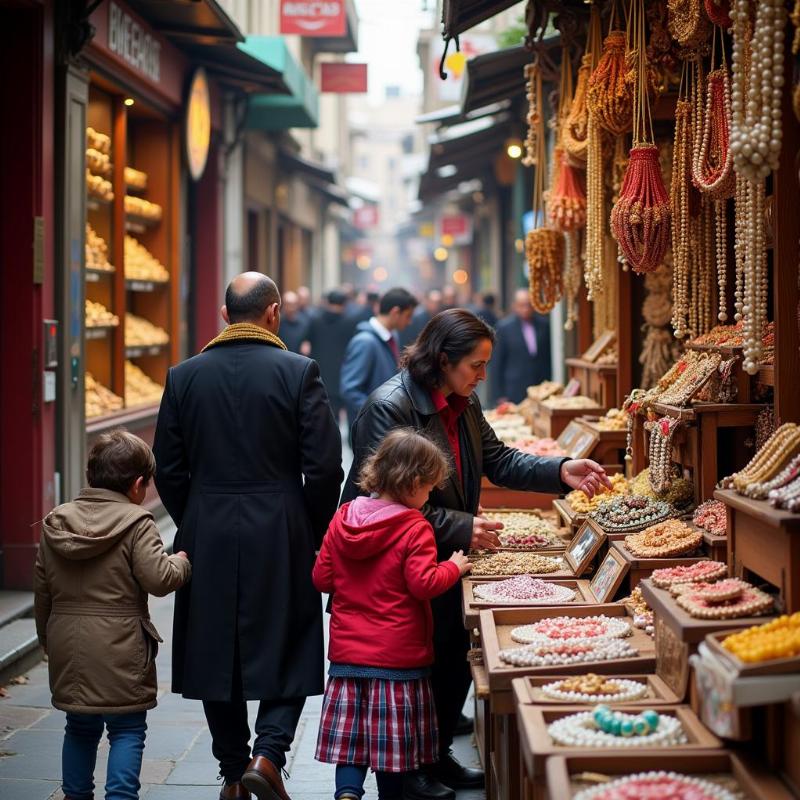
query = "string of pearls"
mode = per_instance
[{"x": 657, "y": 784}]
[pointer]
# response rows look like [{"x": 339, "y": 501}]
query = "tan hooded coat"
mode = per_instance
[{"x": 98, "y": 559}]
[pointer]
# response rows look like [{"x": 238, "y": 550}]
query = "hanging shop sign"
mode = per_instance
[
  {"x": 366, "y": 217},
  {"x": 456, "y": 227},
  {"x": 322, "y": 18},
  {"x": 197, "y": 127},
  {"x": 455, "y": 64},
  {"x": 128, "y": 48},
  {"x": 338, "y": 78}
]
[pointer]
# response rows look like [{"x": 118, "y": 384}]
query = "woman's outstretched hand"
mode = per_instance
[
  {"x": 584, "y": 474},
  {"x": 483, "y": 534}
]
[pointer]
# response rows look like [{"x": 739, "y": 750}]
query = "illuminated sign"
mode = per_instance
[{"x": 198, "y": 124}]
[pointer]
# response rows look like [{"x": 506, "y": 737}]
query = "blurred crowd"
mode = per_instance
[{"x": 358, "y": 337}]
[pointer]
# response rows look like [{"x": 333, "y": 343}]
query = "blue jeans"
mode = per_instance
[
  {"x": 350, "y": 780},
  {"x": 126, "y": 733}
]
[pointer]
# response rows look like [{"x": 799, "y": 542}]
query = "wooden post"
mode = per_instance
[{"x": 786, "y": 236}]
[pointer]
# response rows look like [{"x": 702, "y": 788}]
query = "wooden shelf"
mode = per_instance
[
  {"x": 766, "y": 375},
  {"x": 95, "y": 275},
  {"x": 94, "y": 203},
  {"x": 528, "y": 691},
  {"x": 133, "y": 285},
  {"x": 99, "y": 332},
  {"x": 140, "y": 351},
  {"x": 608, "y": 369},
  {"x": 760, "y": 510}
]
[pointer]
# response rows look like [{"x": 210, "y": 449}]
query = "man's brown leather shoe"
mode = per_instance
[
  {"x": 234, "y": 791},
  {"x": 264, "y": 780}
]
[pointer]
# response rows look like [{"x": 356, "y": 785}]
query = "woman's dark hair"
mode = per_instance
[
  {"x": 117, "y": 459},
  {"x": 404, "y": 460},
  {"x": 454, "y": 333}
]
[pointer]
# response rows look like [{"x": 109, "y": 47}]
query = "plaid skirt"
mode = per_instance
[{"x": 389, "y": 725}]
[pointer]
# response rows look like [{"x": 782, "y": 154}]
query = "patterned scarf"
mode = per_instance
[{"x": 245, "y": 331}]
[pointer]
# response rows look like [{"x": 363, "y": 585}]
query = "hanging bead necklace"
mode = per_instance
[
  {"x": 719, "y": 12},
  {"x": 640, "y": 220},
  {"x": 610, "y": 90},
  {"x": 687, "y": 23}
]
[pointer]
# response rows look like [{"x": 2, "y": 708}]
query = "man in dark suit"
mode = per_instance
[
  {"x": 522, "y": 353},
  {"x": 423, "y": 314},
  {"x": 249, "y": 468},
  {"x": 294, "y": 325},
  {"x": 329, "y": 333}
]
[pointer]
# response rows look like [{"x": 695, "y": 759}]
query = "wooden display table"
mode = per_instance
[
  {"x": 610, "y": 446},
  {"x": 472, "y": 606},
  {"x": 480, "y": 681},
  {"x": 499, "y": 497},
  {"x": 528, "y": 691},
  {"x": 569, "y": 517},
  {"x": 565, "y": 773},
  {"x": 717, "y": 548},
  {"x": 549, "y": 421},
  {"x": 598, "y": 381},
  {"x": 764, "y": 544},
  {"x": 537, "y": 746},
  {"x": 641, "y": 568},
  {"x": 503, "y": 774},
  {"x": 678, "y": 634}
]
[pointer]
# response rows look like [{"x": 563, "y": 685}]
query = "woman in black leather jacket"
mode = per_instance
[{"x": 434, "y": 393}]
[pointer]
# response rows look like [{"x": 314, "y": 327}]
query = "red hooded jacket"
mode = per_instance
[{"x": 378, "y": 560}]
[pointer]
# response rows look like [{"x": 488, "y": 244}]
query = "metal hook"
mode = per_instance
[{"x": 442, "y": 73}]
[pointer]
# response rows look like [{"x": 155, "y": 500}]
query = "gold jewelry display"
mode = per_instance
[
  {"x": 688, "y": 23},
  {"x": 665, "y": 539}
]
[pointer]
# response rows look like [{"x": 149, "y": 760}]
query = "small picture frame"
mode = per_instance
[
  {"x": 583, "y": 444},
  {"x": 599, "y": 346},
  {"x": 583, "y": 548},
  {"x": 609, "y": 576},
  {"x": 568, "y": 436}
]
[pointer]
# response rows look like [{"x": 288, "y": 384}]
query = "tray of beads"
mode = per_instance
[
  {"x": 634, "y": 730},
  {"x": 699, "y": 572},
  {"x": 526, "y": 530},
  {"x": 567, "y": 655},
  {"x": 591, "y": 688},
  {"x": 769, "y": 649},
  {"x": 511, "y": 563},
  {"x": 631, "y": 514},
  {"x": 647, "y": 564},
  {"x": 689, "y": 629},
  {"x": 520, "y": 591},
  {"x": 668, "y": 539},
  {"x": 715, "y": 775}
]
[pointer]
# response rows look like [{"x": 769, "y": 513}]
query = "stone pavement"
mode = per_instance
[{"x": 177, "y": 761}]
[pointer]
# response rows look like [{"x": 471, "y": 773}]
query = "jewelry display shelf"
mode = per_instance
[
  {"x": 610, "y": 446},
  {"x": 499, "y": 497},
  {"x": 528, "y": 691},
  {"x": 764, "y": 544},
  {"x": 598, "y": 381},
  {"x": 480, "y": 681},
  {"x": 502, "y": 734},
  {"x": 548, "y": 514},
  {"x": 706, "y": 421},
  {"x": 641, "y": 568},
  {"x": 716, "y": 547},
  {"x": 548, "y": 421},
  {"x": 567, "y": 775},
  {"x": 678, "y": 635},
  {"x": 472, "y": 606},
  {"x": 537, "y": 745}
]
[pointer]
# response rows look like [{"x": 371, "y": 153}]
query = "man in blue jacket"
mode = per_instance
[{"x": 373, "y": 354}]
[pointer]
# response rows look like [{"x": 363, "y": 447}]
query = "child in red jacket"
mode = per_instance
[{"x": 378, "y": 561}]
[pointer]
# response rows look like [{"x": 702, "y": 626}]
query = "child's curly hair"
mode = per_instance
[{"x": 404, "y": 460}]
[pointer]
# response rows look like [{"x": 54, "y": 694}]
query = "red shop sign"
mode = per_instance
[
  {"x": 366, "y": 217},
  {"x": 338, "y": 78},
  {"x": 313, "y": 17}
]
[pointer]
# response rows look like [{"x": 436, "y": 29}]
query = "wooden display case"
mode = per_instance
[
  {"x": 502, "y": 740},
  {"x": 472, "y": 606},
  {"x": 528, "y": 691},
  {"x": 143, "y": 139},
  {"x": 598, "y": 381},
  {"x": 610, "y": 446},
  {"x": 764, "y": 544},
  {"x": 499, "y": 497},
  {"x": 566, "y": 775},
  {"x": 641, "y": 568},
  {"x": 548, "y": 421},
  {"x": 678, "y": 635}
]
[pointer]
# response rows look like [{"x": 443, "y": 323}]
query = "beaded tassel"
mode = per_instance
[
  {"x": 719, "y": 12},
  {"x": 566, "y": 201},
  {"x": 610, "y": 90}
]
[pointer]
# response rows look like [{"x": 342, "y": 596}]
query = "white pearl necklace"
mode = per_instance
[
  {"x": 543, "y": 656},
  {"x": 694, "y": 788},
  {"x": 756, "y": 104},
  {"x": 612, "y": 628},
  {"x": 580, "y": 730},
  {"x": 629, "y": 690},
  {"x": 756, "y": 136}
]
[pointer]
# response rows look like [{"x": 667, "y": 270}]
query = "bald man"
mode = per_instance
[
  {"x": 521, "y": 355},
  {"x": 249, "y": 468}
]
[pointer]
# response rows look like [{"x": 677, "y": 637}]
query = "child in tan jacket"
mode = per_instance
[{"x": 99, "y": 558}]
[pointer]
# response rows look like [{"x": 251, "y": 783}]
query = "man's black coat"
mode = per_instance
[
  {"x": 249, "y": 468},
  {"x": 513, "y": 369}
]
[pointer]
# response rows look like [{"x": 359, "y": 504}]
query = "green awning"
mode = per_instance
[{"x": 299, "y": 108}]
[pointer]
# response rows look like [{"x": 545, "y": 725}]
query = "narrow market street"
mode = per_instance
[{"x": 178, "y": 764}]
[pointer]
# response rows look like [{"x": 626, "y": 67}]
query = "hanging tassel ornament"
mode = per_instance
[
  {"x": 640, "y": 220},
  {"x": 575, "y": 132},
  {"x": 544, "y": 247},
  {"x": 719, "y": 12},
  {"x": 688, "y": 24},
  {"x": 566, "y": 201},
  {"x": 610, "y": 90}
]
